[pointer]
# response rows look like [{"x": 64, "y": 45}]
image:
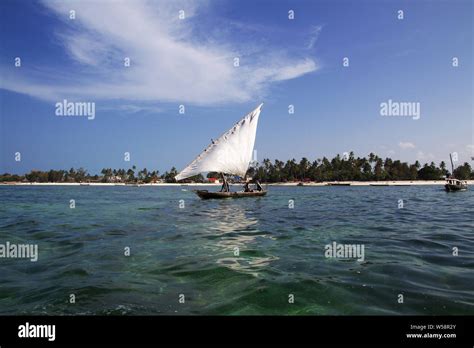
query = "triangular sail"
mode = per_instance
[{"x": 231, "y": 153}]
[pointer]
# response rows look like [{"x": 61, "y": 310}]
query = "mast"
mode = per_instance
[{"x": 452, "y": 165}]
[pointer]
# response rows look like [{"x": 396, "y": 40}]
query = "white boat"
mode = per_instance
[
  {"x": 453, "y": 184},
  {"x": 230, "y": 154}
]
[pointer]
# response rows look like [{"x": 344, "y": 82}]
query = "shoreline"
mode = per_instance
[{"x": 306, "y": 184}]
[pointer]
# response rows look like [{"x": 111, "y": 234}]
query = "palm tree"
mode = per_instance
[
  {"x": 303, "y": 168},
  {"x": 130, "y": 175},
  {"x": 442, "y": 166},
  {"x": 371, "y": 158},
  {"x": 170, "y": 176}
]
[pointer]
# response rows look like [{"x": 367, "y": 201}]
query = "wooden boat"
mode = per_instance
[
  {"x": 205, "y": 194},
  {"x": 453, "y": 184},
  {"x": 230, "y": 154}
]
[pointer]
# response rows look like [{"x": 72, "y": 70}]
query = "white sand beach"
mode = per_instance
[{"x": 295, "y": 183}]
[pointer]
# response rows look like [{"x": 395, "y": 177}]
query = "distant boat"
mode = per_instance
[
  {"x": 230, "y": 154},
  {"x": 338, "y": 184},
  {"x": 453, "y": 184},
  {"x": 85, "y": 184}
]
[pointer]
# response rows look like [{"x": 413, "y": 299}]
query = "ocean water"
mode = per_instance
[{"x": 192, "y": 251}]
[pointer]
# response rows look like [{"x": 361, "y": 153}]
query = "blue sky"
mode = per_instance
[{"x": 190, "y": 61}]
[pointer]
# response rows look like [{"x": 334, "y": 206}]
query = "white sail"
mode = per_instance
[{"x": 231, "y": 153}]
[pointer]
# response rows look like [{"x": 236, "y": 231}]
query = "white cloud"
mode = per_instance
[
  {"x": 133, "y": 108},
  {"x": 421, "y": 156},
  {"x": 314, "y": 36},
  {"x": 406, "y": 145},
  {"x": 168, "y": 61}
]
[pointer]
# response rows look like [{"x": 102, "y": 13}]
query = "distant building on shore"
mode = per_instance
[
  {"x": 113, "y": 179},
  {"x": 213, "y": 180}
]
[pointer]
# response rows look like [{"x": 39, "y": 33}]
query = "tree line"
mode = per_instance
[
  {"x": 108, "y": 175},
  {"x": 339, "y": 168},
  {"x": 350, "y": 168}
]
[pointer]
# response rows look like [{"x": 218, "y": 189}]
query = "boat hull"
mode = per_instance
[
  {"x": 204, "y": 194},
  {"x": 452, "y": 188}
]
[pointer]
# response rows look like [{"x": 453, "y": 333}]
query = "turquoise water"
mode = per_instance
[{"x": 191, "y": 251}]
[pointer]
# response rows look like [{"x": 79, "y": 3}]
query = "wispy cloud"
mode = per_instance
[
  {"x": 314, "y": 35},
  {"x": 406, "y": 145},
  {"x": 421, "y": 156},
  {"x": 133, "y": 108},
  {"x": 168, "y": 61}
]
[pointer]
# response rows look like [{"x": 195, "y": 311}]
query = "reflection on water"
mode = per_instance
[{"x": 238, "y": 232}]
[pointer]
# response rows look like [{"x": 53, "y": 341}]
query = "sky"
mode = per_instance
[{"x": 183, "y": 53}]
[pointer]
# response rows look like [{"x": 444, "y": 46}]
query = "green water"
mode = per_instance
[{"x": 192, "y": 251}]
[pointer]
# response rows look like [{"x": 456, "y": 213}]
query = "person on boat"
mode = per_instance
[
  {"x": 259, "y": 187},
  {"x": 247, "y": 188},
  {"x": 225, "y": 185}
]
